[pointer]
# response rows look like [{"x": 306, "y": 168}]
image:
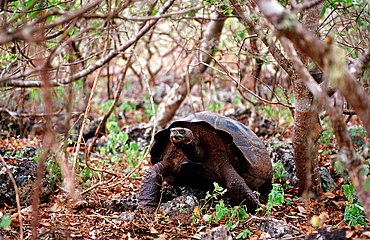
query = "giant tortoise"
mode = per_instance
[{"x": 203, "y": 148}]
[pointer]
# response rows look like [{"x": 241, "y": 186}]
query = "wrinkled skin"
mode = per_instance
[{"x": 196, "y": 155}]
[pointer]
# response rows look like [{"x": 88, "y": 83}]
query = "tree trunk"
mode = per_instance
[
  {"x": 307, "y": 128},
  {"x": 304, "y": 139},
  {"x": 338, "y": 74},
  {"x": 323, "y": 53},
  {"x": 306, "y": 133},
  {"x": 352, "y": 162},
  {"x": 172, "y": 101}
]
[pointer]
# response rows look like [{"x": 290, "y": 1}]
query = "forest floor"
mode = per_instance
[{"x": 90, "y": 217}]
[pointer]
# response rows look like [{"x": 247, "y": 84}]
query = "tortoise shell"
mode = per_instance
[{"x": 245, "y": 144}]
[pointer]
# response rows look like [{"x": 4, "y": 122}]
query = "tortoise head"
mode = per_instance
[{"x": 181, "y": 135}]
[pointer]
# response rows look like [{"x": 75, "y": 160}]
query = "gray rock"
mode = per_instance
[
  {"x": 24, "y": 173},
  {"x": 217, "y": 233},
  {"x": 326, "y": 179},
  {"x": 128, "y": 203},
  {"x": 282, "y": 152},
  {"x": 276, "y": 228},
  {"x": 126, "y": 216},
  {"x": 181, "y": 204},
  {"x": 357, "y": 133},
  {"x": 199, "y": 193}
]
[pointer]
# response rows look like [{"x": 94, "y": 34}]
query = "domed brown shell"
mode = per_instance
[{"x": 245, "y": 144}]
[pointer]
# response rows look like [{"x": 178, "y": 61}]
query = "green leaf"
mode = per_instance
[
  {"x": 323, "y": 11},
  {"x": 367, "y": 184},
  {"x": 219, "y": 214},
  {"x": 134, "y": 146},
  {"x": 154, "y": 12},
  {"x": 244, "y": 234},
  {"x": 230, "y": 225},
  {"x": 87, "y": 173},
  {"x": 348, "y": 190},
  {"x": 5, "y": 221},
  {"x": 112, "y": 127},
  {"x": 123, "y": 137}
]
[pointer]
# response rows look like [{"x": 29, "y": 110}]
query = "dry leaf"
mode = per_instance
[
  {"x": 153, "y": 231},
  {"x": 302, "y": 209},
  {"x": 330, "y": 195},
  {"x": 324, "y": 216},
  {"x": 350, "y": 234},
  {"x": 196, "y": 211},
  {"x": 365, "y": 234},
  {"x": 265, "y": 235},
  {"x": 45, "y": 224},
  {"x": 56, "y": 207}
]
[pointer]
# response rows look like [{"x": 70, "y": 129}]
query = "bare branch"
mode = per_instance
[
  {"x": 363, "y": 63},
  {"x": 351, "y": 160},
  {"x": 98, "y": 64},
  {"x": 323, "y": 53},
  {"x": 38, "y": 9},
  {"x": 17, "y": 199},
  {"x": 265, "y": 36},
  {"x": 143, "y": 19},
  {"x": 172, "y": 101},
  {"x": 25, "y": 115},
  {"x": 27, "y": 31},
  {"x": 237, "y": 82},
  {"x": 306, "y": 5}
]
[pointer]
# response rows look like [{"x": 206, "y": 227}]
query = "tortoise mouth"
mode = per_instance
[
  {"x": 182, "y": 139},
  {"x": 177, "y": 138},
  {"x": 181, "y": 136}
]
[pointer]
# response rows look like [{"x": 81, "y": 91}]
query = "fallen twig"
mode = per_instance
[{"x": 17, "y": 199}]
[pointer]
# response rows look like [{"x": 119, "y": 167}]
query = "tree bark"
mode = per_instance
[
  {"x": 172, "y": 101},
  {"x": 306, "y": 129},
  {"x": 352, "y": 162},
  {"x": 13, "y": 81},
  {"x": 324, "y": 54},
  {"x": 265, "y": 36}
]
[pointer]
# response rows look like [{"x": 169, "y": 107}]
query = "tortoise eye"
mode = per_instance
[{"x": 182, "y": 131}]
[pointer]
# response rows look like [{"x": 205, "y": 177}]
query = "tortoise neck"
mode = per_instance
[{"x": 192, "y": 151}]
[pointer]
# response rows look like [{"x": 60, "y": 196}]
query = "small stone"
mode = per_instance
[
  {"x": 24, "y": 174},
  {"x": 125, "y": 217},
  {"x": 181, "y": 204},
  {"x": 276, "y": 228},
  {"x": 326, "y": 179},
  {"x": 217, "y": 233}
]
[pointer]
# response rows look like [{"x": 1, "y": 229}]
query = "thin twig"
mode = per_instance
[
  {"x": 25, "y": 115},
  {"x": 84, "y": 120},
  {"x": 143, "y": 19},
  {"x": 17, "y": 199},
  {"x": 227, "y": 73},
  {"x": 98, "y": 184},
  {"x": 305, "y": 5},
  {"x": 155, "y": 123},
  {"x": 141, "y": 33},
  {"x": 19, "y": 82}
]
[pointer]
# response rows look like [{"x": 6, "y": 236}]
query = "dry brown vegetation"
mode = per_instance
[{"x": 89, "y": 82}]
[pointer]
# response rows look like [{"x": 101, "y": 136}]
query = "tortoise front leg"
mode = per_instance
[
  {"x": 151, "y": 185},
  {"x": 239, "y": 191}
]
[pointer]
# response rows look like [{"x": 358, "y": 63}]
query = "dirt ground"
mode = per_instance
[{"x": 94, "y": 215}]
